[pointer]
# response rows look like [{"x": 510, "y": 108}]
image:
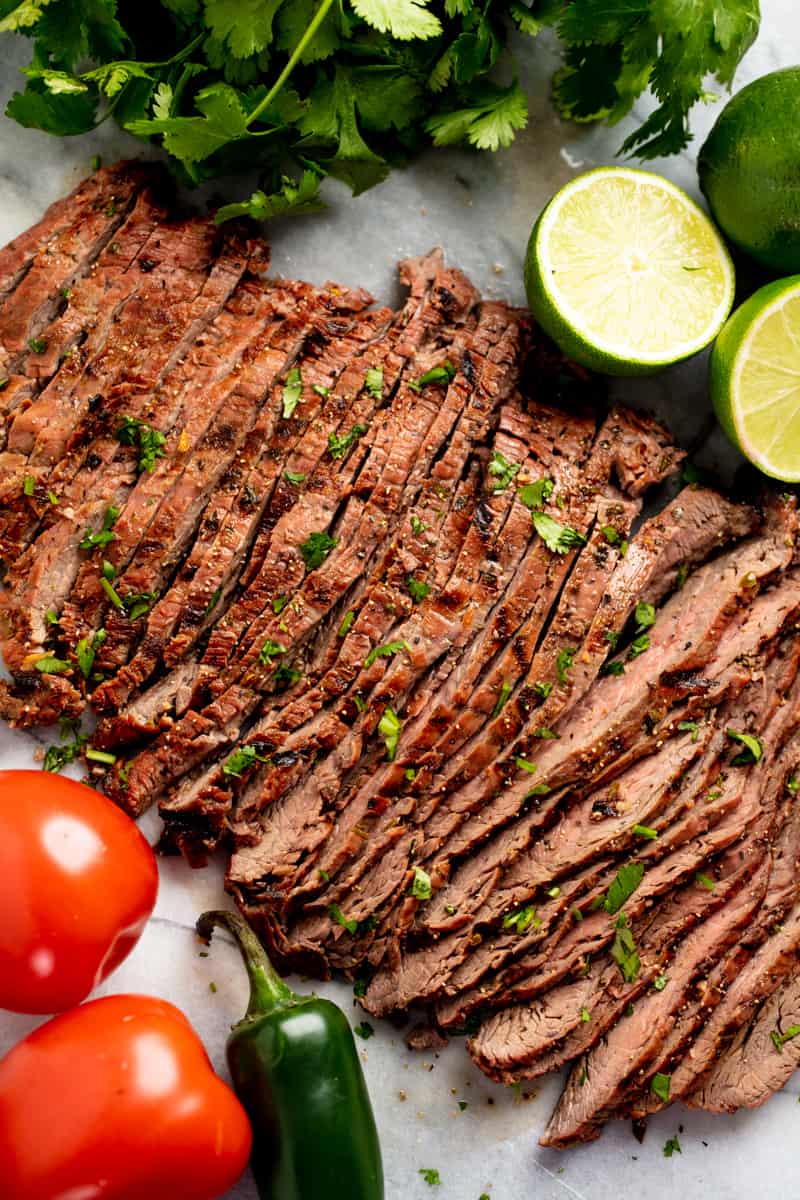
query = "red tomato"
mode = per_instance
[
  {"x": 117, "y": 1100},
  {"x": 78, "y": 882}
]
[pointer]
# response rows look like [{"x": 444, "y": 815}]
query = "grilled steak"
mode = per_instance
[{"x": 356, "y": 608}]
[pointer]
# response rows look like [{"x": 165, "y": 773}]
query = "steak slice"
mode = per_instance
[
  {"x": 758, "y": 1062},
  {"x": 37, "y": 268}
]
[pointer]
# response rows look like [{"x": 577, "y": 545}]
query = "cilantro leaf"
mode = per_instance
[
  {"x": 502, "y": 471},
  {"x": 292, "y": 392},
  {"x": 623, "y": 950},
  {"x": 488, "y": 124},
  {"x": 389, "y": 728},
  {"x": 339, "y": 445},
  {"x": 421, "y": 885},
  {"x": 316, "y": 548},
  {"x": 534, "y": 495},
  {"x": 386, "y": 651},
  {"x": 623, "y": 886},
  {"x": 417, "y": 590},
  {"x": 403, "y": 19},
  {"x": 241, "y": 760},
  {"x": 558, "y": 538},
  {"x": 753, "y": 750},
  {"x": 292, "y": 198}
]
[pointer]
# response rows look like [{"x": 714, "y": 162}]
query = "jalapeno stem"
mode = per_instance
[{"x": 267, "y": 989}]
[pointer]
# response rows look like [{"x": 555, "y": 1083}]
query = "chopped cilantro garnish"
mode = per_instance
[
  {"x": 29, "y": 483},
  {"x": 410, "y": 774},
  {"x": 625, "y": 883},
  {"x": 48, "y": 664},
  {"x": 521, "y": 919},
  {"x": 586, "y": 1016},
  {"x": 524, "y": 765},
  {"x": 241, "y": 760},
  {"x": 502, "y": 471},
  {"x": 793, "y": 785},
  {"x": 269, "y": 651},
  {"x": 112, "y": 593},
  {"x": 51, "y": 616},
  {"x": 682, "y": 576},
  {"x": 502, "y": 698},
  {"x": 338, "y": 446},
  {"x": 704, "y": 881},
  {"x": 430, "y": 1175},
  {"x": 659, "y": 1086},
  {"x": 360, "y": 988},
  {"x": 645, "y": 616},
  {"x": 316, "y": 548},
  {"x": 612, "y": 638},
  {"x": 213, "y": 602},
  {"x": 644, "y": 831},
  {"x": 417, "y": 590},
  {"x": 295, "y": 477},
  {"x": 623, "y": 950},
  {"x": 417, "y": 525},
  {"x": 292, "y": 391},
  {"x": 541, "y": 789},
  {"x": 373, "y": 381},
  {"x": 639, "y": 645},
  {"x": 689, "y": 727},
  {"x": 336, "y": 914},
  {"x": 564, "y": 663},
  {"x": 389, "y": 728},
  {"x": 385, "y": 651},
  {"x": 37, "y": 345},
  {"x": 364, "y": 1030},
  {"x": 753, "y": 750},
  {"x": 554, "y": 892},
  {"x": 321, "y": 390},
  {"x": 611, "y": 535},
  {"x": 560, "y": 539},
  {"x": 279, "y": 604},
  {"x": 58, "y": 757},
  {"x": 347, "y": 623},
  {"x": 136, "y": 604},
  {"x": 671, "y": 1146},
  {"x": 86, "y": 649},
  {"x": 543, "y": 689},
  {"x": 105, "y": 535},
  {"x": 100, "y": 756},
  {"x": 421, "y": 885},
  {"x": 535, "y": 495},
  {"x": 613, "y": 668},
  {"x": 437, "y": 375},
  {"x": 546, "y": 734},
  {"x": 660, "y": 982},
  {"x": 779, "y": 1039},
  {"x": 150, "y": 442},
  {"x": 285, "y": 677}
]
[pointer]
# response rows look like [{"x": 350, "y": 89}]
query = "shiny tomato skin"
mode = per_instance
[
  {"x": 78, "y": 882},
  {"x": 117, "y": 1100}
]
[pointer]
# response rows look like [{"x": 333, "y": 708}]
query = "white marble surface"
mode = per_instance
[{"x": 480, "y": 209}]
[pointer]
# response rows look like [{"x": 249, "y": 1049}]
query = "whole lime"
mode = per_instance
[{"x": 749, "y": 170}]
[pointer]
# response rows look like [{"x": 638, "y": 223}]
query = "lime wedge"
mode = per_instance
[
  {"x": 755, "y": 379},
  {"x": 626, "y": 273}
]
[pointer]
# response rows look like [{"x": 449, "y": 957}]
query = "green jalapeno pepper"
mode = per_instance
[{"x": 295, "y": 1067}]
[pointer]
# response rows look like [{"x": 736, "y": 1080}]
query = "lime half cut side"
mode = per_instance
[
  {"x": 755, "y": 379},
  {"x": 627, "y": 273}
]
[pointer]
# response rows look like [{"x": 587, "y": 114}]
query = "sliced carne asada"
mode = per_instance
[{"x": 356, "y": 609}]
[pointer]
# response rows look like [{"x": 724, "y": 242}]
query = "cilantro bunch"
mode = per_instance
[{"x": 351, "y": 88}]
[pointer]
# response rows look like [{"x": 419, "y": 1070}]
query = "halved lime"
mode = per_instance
[
  {"x": 626, "y": 273},
  {"x": 755, "y": 379}
]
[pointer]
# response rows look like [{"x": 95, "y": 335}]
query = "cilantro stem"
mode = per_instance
[{"x": 295, "y": 57}]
